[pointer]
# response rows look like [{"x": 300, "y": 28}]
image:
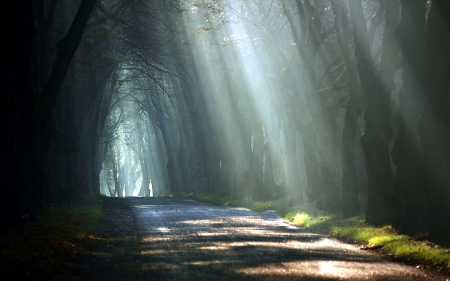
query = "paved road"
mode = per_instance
[{"x": 182, "y": 239}]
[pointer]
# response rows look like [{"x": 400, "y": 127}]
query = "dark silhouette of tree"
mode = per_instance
[
  {"x": 407, "y": 152},
  {"x": 434, "y": 123},
  {"x": 376, "y": 91},
  {"x": 350, "y": 200}
]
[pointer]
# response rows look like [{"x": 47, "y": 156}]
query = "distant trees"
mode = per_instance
[{"x": 314, "y": 41}]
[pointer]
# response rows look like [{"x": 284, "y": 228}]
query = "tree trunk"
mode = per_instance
[
  {"x": 376, "y": 104},
  {"x": 145, "y": 185},
  {"x": 407, "y": 152},
  {"x": 328, "y": 186},
  {"x": 65, "y": 51},
  {"x": 435, "y": 121},
  {"x": 350, "y": 200},
  {"x": 22, "y": 173}
]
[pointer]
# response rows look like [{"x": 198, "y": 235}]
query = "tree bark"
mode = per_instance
[
  {"x": 327, "y": 186},
  {"x": 65, "y": 51},
  {"x": 21, "y": 175},
  {"x": 376, "y": 103},
  {"x": 435, "y": 121},
  {"x": 407, "y": 152},
  {"x": 350, "y": 200}
]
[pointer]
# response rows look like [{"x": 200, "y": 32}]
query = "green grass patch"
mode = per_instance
[
  {"x": 399, "y": 245},
  {"x": 387, "y": 238}
]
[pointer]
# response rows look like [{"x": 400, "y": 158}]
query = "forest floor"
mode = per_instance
[
  {"x": 91, "y": 240},
  {"x": 181, "y": 239}
]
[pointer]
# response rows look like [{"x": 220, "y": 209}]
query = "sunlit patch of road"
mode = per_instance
[{"x": 186, "y": 240}]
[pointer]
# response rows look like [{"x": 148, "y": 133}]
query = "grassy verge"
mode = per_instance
[
  {"x": 398, "y": 246},
  {"x": 51, "y": 244}
]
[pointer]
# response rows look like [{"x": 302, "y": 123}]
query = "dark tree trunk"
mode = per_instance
[
  {"x": 293, "y": 182},
  {"x": 65, "y": 51},
  {"x": 376, "y": 104},
  {"x": 26, "y": 150},
  {"x": 117, "y": 187},
  {"x": 45, "y": 41},
  {"x": 21, "y": 171},
  {"x": 309, "y": 138},
  {"x": 172, "y": 168},
  {"x": 435, "y": 121},
  {"x": 407, "y": 152},
  {"x": 350, "y": 200},
  {"x": 89, "y": 120}
]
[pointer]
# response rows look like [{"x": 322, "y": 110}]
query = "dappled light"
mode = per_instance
[{"x": 203, "y": 240}]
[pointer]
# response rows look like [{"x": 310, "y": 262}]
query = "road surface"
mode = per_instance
[{"x": 182, "y": 239}]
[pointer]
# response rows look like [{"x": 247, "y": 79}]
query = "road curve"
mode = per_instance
[{"x": 182, "y": 239}]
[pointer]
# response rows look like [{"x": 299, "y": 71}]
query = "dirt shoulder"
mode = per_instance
[{"x": 113, "y": 251}]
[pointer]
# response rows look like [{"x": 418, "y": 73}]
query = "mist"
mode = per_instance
[{"x": 340, "y": 105}]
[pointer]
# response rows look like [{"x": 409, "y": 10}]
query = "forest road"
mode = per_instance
[{"x": 182, "y": 239}]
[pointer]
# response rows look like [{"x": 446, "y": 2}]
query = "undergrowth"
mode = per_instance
[
  {"x": 51, "y": 243},
  {"x": 398, "y": 246}
]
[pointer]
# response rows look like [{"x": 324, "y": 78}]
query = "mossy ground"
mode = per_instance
[
  {"x": 50, "y": 245},
  {"x": 397, "y": 246}
]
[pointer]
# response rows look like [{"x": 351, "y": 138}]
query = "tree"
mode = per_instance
[
  {"x": 322, "y": 127},
  {"x": 407, "y": 152},
  {"x": 376, "y": 89},
  {"x": 350, "y": 200},
  {"x": 65, "y": 51},
  {"x": 435, "y": 120}
]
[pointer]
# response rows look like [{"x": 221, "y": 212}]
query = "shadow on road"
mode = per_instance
[{"x": 182, "y": 239}]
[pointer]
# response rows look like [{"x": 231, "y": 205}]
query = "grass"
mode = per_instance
[
  {"x": 52, "y": 242},
  {"x": 400, "y": 246},
  {"x": 387, "y": 238}
]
